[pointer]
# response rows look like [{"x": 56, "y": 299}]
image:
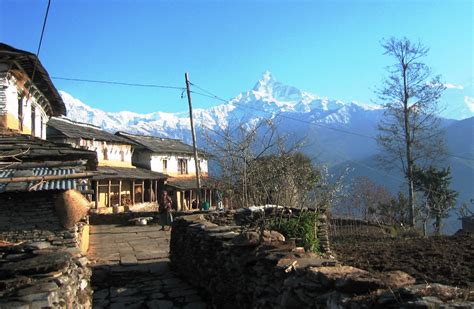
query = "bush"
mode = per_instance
[{"x": 302, "y": 228}]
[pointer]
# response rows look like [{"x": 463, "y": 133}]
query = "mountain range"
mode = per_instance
[{"x": 338, "y": 134}]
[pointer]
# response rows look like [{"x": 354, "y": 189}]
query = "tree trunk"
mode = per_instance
[
  {"x": 437, "y": 225},
  {"x": 408, "y": 142}
]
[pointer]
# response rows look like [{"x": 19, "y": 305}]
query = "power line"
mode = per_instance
[
  {"x": 44, "y": 27},
  {"x": 461, "y": 157},
  {"x": 214, "y": 96},
  {"x": 211, "y": 95},
  {"x": 117, "y": 83},
  {"x": 41, "y": 40}
]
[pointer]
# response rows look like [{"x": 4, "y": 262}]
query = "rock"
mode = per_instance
[
  {"x": 39, "y": 245},
  {"x": 271, "y": 236},
  {"x": 358, "y": 283},
  {"x": 83, "y": 261},
  {"x": 122, "y": 291},
  {"x": 15, "y": 305},
  {"x": 247, "y": 239},
  {"x": 396, "y": 279},
  {"x": 195, "y": 305},
  {"x": 42, "y": 263},
  {"x": 161, "y": 304},
  {"x": 101, "y": 294},
  {"x": 328, "y": 275}
]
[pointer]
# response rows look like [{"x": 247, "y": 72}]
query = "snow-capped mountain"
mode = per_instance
[{"x": 265, "y": 100}]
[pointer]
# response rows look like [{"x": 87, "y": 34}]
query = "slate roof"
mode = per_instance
[
  {"x": 42, "y": 81},
  {"x": 113, "y": 172},
  {"x": 190, "y": 183},
  {"x": 59, "y": 184},
  {"x": 32, "y": 149},
  {"x": 160, "y": 145},
  {"x": 58, "y": 127}
]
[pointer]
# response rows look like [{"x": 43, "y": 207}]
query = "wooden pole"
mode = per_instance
[
  {"x": 150, "y": 187},
  {"x": 96, "y": 194},
  {"x": 193, "y": 133},
  {"x": 46, "y": 178},
  {"x": 108, "y": 194},
  {"x": 120, "y": 193},
  {"x": 133, "y": 192}
]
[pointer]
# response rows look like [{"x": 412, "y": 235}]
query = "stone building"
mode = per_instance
[
  {"x": 176, "y": 159},
  {"x": 119, "y": 183}
]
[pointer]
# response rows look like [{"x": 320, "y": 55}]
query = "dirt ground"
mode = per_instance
[{"x": 446, "y": 260}]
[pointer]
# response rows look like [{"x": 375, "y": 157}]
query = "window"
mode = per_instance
[
  {"x": 182, "y": 166},
  {"x": 122, "y": 155},
  {"x": 33, "y": 120},
  {"x": 106, "y": 154},
  {"x": 20, "y": 112},
  {"x": 165, "y": 165}
]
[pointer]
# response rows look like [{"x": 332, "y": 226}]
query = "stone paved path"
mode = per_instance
[{"x": 131, "y": 269}]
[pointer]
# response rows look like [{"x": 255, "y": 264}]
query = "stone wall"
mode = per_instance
[
  {"x": 33, "y": 276},
  {"x": 254, "y": 216},
  {"x": 32, "y": 217},
  {"x": 42, "y": 263},
  {"x": 234, "y": 268}
]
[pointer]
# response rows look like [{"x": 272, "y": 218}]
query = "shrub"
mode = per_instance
[{"x": 302, "y": 228}]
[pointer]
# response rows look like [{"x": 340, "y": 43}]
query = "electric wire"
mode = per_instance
[
  {"x": 211, "y": 95},
  {"x": 118, "y": 83},
  {"x": 41, "y": 40}
]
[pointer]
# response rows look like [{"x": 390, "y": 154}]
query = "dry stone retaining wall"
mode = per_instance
[
  {"x": 32, "y": 217},
  {"x": 52, "y": 277},
  {"x": 41, "y": 261},
  {"x": 233, "y": 269}
]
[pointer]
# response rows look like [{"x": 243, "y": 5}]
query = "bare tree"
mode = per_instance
[
  {"x": 241, "y": 153},
  {"x": 364, "y": 199},
  {"x": 409, "y": 134}
]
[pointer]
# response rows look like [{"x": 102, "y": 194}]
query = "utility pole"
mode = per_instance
[{"x": 193, "y": 133}]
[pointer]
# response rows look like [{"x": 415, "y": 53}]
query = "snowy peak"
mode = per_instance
[
  {"x": 266, "y": 99},
  {"x": 270, "y": 90},
  {"x": 265, "y": 84},
  {"x": 271, "y": 96}
]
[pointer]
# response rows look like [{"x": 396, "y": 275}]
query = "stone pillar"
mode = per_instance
[{"x": 322, "y": 232}]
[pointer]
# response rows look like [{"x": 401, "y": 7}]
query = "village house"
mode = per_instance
[
  {"x": 119, "y": 184},
  {"x": 35, "y": 174},
  {"x": 28, "y": 99},
  {"x": 27, "y": 96},
  {"x": 176, "y": 159}
]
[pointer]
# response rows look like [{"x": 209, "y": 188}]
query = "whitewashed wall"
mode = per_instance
[
  {"x": 113, "y": 150},
  {"x": 156, "y": 164},
  {"x": 9, "y": 108}
]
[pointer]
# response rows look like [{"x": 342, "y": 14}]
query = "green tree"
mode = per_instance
[
  {"x": 434, "y": 184},
  {"x": 409, "y": 132}
]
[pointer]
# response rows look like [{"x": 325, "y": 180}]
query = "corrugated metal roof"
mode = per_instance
[{"x": 60, "y": 184}]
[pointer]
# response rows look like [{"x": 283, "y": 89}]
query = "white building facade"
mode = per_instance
[{"x": 26, "y": 106}]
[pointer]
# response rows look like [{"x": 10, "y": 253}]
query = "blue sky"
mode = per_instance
[{"x": 330, "y": 48}]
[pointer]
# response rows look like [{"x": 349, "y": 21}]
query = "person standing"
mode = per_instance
[{"x": 166, "y": 218}]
